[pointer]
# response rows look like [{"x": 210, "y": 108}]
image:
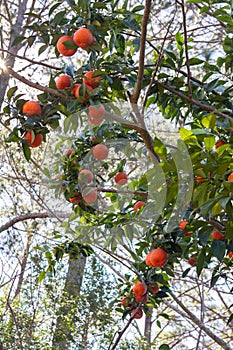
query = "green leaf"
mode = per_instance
[
  {"x": 195, "y": 61},
  {"x": 218, "y": 248},
  {"x": 209, "y": 142},
  {"x": 201, "y": 261},
  {"x": 230, "y": 319},
  {"x": 41, "y": 276},
  {"x": 11, "y": 92},
  {"x": 18, "y": 40},
  {"x": 26, "y": 150},
  {"x": 209, "y": 121},
  {"x": 164, "y": 347}
]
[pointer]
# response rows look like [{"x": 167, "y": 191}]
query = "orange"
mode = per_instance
[
  {"x": 188, "y": 234},
  {"x": 92, "y": 81},
  {"x": 140, "y": 298},
  {"x": 148, "y": 262},
  {"x": 217, "y": 235},
  {"x": 89, "y": 195},
  {"x": 96, "y": 112},
  {"x": 76, "y": 89},
  {"x": 95, "y": 121},
  {"x": 138, "y": 205},
  {"x": 100, "y": 151},
  {"x": 33, "y": 141},
  {"x": 139, "y": 288},
  {"x": 154, "y": 287},
  {"x": 137, "y": 314},
  {"x": 183, "y": 224},
  {"x": 31, "y": 108},
  {"x": 121, "y": 178},
  {"x": 219, "y": 143},
  {"x": 230, "y": 177},
  {"x": 192, "y": 261},
  {"x": 85, "y": 176},
  {"x": 74, "y": 200},
  {"x": 62, "y": 49},
  {"x": 69, "y": 151},
  {"x": 158, "y": 257},
  {"x": 83, "y": 38},
  {"x": 63, "y": 82}
]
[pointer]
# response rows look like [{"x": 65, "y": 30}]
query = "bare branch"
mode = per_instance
[{"x": 31, "y": 216}]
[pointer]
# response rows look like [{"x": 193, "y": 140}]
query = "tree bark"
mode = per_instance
[
  {"x": 147, "y": 329},
  {"x": 62, "y": 334},
  {"x": 15, "y": 30}
]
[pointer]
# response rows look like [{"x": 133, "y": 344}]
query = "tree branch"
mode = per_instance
[
  {"x": 191, "y": 100},
  {"x": 37, "y": 86},
  {"x": 135, "y": 96},
  {"x": 31, "y": 216},
  {"x": 197, "y": 321}
]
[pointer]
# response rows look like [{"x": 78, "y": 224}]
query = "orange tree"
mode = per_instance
[{"x": 182, "y": 192}]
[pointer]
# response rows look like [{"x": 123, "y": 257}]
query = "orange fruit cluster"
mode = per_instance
[
  {"x": 140, "y": 293},
  {"x": 82, "y": 38}
]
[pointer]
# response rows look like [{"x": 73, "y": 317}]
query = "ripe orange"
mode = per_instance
[
  {"x": 158, "y": 257},
  {"x": 74, "y": 200},
  {"x": 100, "y": 151},
  {"x": 76, "y": 92},
  {"x": 140, "y": 298},
  {"x": 85, "y": 176},
  {"x": 62, "y": 49},
  {"x": 121, "y": 178},
  {"x": 183, "y": 224},
  {"x": 36, "y": 142},
  {"x": 139, "y": 288},
  {"x": 230, "y": 255},
  {"x": 217, "y": 235},
  {"x": 188, "y": 234},
  {"x": 89, "y": 195},
  {"x": 31, "y": 108},
  {"x": 95, "y": 121},
  {"x": 219, "y": 143},
  {"x": 92, "y": 81},
  {"x": 192, "y": 261},
  {"x": 137, "y": 314},
  {"x": 69, "y": 151},
  {"x": 83, "y": 38},
  {"x": 154, "y": 287},
  {"x": 96, "y": 112},
  {"x": 124, "y": 301},
  {"x": 63, "y": 82},
  {"x": 138, "y": 205},
  {"x": 230, "y": 177},
  {"x": 148, "y": 262}
]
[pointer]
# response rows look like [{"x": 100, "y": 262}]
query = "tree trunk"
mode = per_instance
[
  {"x": 62, "y": 334},
  {"x": 147, "y": 329},
  {"x": 15, "y": 30}
]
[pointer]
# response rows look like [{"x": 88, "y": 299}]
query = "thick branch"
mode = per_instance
[
  {"x": 134, "y": 98},
  {"x": 186, "y": 49},
  {"x": 37, "y": 86},
  {"x": 30, "y": 216}
]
